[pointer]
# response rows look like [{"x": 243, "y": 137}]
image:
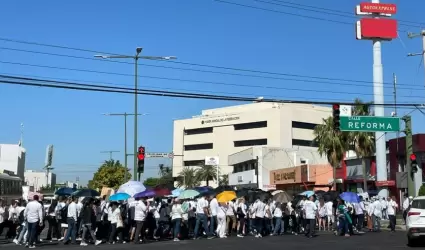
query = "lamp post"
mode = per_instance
[
  {"x": 125, "y": 135},
  {"x": 136, "y": 58}
]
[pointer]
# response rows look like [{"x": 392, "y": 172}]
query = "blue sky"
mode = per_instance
[{"x": 196, "y": 31}]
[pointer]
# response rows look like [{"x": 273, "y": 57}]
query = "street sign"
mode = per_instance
[
  {"x": 159, "y": 155},
  {"x": 345, "y": 110},
  {"x": 212, "y": 161},
  {"x": 378, "y": 8},
  {"x": 370, "y": 124}
]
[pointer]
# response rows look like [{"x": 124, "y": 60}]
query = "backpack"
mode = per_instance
[
  {"x": 64, "y": 214},
  {"x": 21, "y": 217},
  {"x": 124, "y": 212}
]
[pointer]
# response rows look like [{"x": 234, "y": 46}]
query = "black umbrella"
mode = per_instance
[
  {"x": 223, "y": 188},
  {"x": 86, "y": 192}
]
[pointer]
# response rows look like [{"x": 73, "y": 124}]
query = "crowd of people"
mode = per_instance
[{"x": 97, "y": 221}]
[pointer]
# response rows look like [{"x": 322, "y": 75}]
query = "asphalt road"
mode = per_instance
[{"x": 383, "y": 240}]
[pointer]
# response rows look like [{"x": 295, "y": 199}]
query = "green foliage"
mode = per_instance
[
  {"x": 421, "y": 191},
  {"x": 188, "y": 178},
  {"x": 151, "y": 182},
  {"x": 110, "y": 174},
  {"x": 224, "y": 180},
  {"x": 206, "y": 173}
]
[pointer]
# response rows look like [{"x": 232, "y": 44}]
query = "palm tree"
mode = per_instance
[
  {"x": 331, "y": 143},
  {"x": 363, "y": 143},
  {"x": 187, "y": 178},
  {"x": 165, "y": 176},
  {"x": 224, "y": 180},
  {"x": 207, "y": 173}
]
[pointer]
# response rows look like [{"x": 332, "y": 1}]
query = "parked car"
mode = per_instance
[{"x": 415, "y": 220}]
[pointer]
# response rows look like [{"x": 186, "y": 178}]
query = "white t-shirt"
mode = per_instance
[
  {"x": 310, "y": 209},
  {"x": 329, "y": 208},
  {"x": 200, "y": 205},
  {"x": 214, "y": 207},
  {"x": 392, "y": 206},
  {"x": 259, "y": 208},
  {"x": 230, "y": 208}
]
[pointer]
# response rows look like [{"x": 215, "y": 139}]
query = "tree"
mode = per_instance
[
  {"x": 151, "y": 182},
  {"x": 110, "y": 174},
  {"x": 207, "y": 173},
  {"x": 421, "y": 191},
  {"x": 165, "y": 177},
  {"x": 187, "y": 178},
  {"x": 363, "y": 143},
  {"x": 331, "y": 143},
  {"x": 224, "y": 180}
]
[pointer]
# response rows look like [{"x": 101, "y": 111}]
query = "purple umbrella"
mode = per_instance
[{"x": 144, "y": 194}]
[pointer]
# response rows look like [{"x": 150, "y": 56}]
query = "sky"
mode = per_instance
[{"x": 265, "y": 37}]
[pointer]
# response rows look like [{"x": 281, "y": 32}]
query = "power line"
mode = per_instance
[
  {"x": 333, "y": 12},
  {"x": 109, "y": 89},
  {"x": 205, "y": 82},
  {"x": 194, "y": 64}
]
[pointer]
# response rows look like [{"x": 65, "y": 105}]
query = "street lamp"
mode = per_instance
[
  {"x": 125, "y": 114},
  {"x": 136, "y": 58}
]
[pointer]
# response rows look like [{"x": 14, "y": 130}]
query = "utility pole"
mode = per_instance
[
  {"x": 136, "y": 58},
  {"x": 110, "y": 152},
  {"x": 411, "y": 187},
  {"x": 414, "y": 35}
]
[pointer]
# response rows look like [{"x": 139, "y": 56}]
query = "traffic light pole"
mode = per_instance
[{"x": 411, "y": 187}]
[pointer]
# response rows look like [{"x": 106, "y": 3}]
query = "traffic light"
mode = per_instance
[
  {"x": 413, "y": 164},
  {"x": 335, "y": 114},
  {"x": 141, "y": 159}
]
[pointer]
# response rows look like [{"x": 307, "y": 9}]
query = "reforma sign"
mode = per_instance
[
  {"x": 222, "y": 119},
  {"x": 370, "y": 124},
  {"x": 378, "y": 8}
]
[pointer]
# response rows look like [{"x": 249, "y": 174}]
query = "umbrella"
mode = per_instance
[
  {"x": 31, "y": 196},
  {"x": 176, "y": 192},
  {"x": 64, "y": 191},
  {"x": 282, "y": 197},
  {"x": 223, "y": 188},
  {"x": 119, "y": 197},
  {"x": 162, "y": 191},
  {"x": 350, "y": 197},
  {"x": 276, "y": 192},
  {"x": 307, "y": 193},
  {"x": 144, "y": 194},
  {"x": 188, "y": 194},
  {"x": 131, "y": 188},
  {"x": 204, "y": 189},
  {"x": 86, "y": 192},
  {"x": 226, "y": 196}
]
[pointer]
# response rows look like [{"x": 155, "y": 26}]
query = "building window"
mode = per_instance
[
  {"x": 304, "y": 143},
  {"x": 248, "y": 143},
  {"x": 250, "y": 125},
  {"x": 303, "y": 125},
  {"x": 194, "y": 163},
  {"x": 197, "y": 131},
  {"x": 198, "y": 146}
]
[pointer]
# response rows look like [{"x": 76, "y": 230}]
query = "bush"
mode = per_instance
[{"x": 422, "y": 191}]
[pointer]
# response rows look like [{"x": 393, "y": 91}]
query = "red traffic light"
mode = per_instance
[
  {"x": 335, "y": 107},
  {"x": 141, "y": 153},
  {"x": 413, "y": 157}
]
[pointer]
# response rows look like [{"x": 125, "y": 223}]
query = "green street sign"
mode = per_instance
[{"x": 369, "y": 123}]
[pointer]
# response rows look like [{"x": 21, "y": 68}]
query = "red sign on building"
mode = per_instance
[
  {"x": 389, "y": 183},
  {"x": 377, "y": 28},
  {"x": 378, "y": 8}
]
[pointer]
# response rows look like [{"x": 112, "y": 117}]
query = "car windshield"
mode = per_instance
[{"x": 420, "y": 204}]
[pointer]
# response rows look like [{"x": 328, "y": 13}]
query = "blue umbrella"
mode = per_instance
[
  {"x": 176, "y": 192},
  {"x": 204, "y": 189},
  {"x": 64, "y": 191},
  {"x": 350, "y": 197},
  {"x": 119, "y": 197},
  {"x": 307, "y": 193},
  {"x": 144, "y": 194}
]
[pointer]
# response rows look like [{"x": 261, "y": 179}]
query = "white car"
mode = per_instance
[{"x": 415, "y": 220}]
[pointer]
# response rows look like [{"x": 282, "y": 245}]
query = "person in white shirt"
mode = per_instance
[
  {"x": 322, "y": 213},
  {"x": 213, "y": 209},
  {"x": 221, "y": 220},
  {"x": 377, "y": 215},
  {"x": 391, "y": 210},
  {"x": 406, "y": 205},
  {"x": 115, "y": 218},
  {"x": 140, "y": 211},
  {"x": 258, "y": 209},
  {"x": 310, "y": 210},
  {"x": 176, "y": 218},
  {"x": 330, "y": 218},
  {"x": 230, "y": 217},
  {"x": 277, "y": 215},
  {"x": 242, "y": 216},
  {"x": 202, "y": 217},
  {"x": 384, "y": 205},
  {"x": 34, "y": 216},
  {"x": 72, "y": 222},
  {"x": 359, "y": 208}
]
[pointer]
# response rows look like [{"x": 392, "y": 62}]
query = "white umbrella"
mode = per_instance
[
  {"x": 132, "y": 188},
  {"x": 276, "y": 192}
]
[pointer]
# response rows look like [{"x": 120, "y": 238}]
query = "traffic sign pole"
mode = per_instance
[{"x": 411, "y": 187}]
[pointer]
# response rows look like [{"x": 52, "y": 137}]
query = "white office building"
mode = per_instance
[
  {"x": 12, "y": 158},
  {"x": 38, "y": 179},
  {"x": 225, "y": 131}
]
